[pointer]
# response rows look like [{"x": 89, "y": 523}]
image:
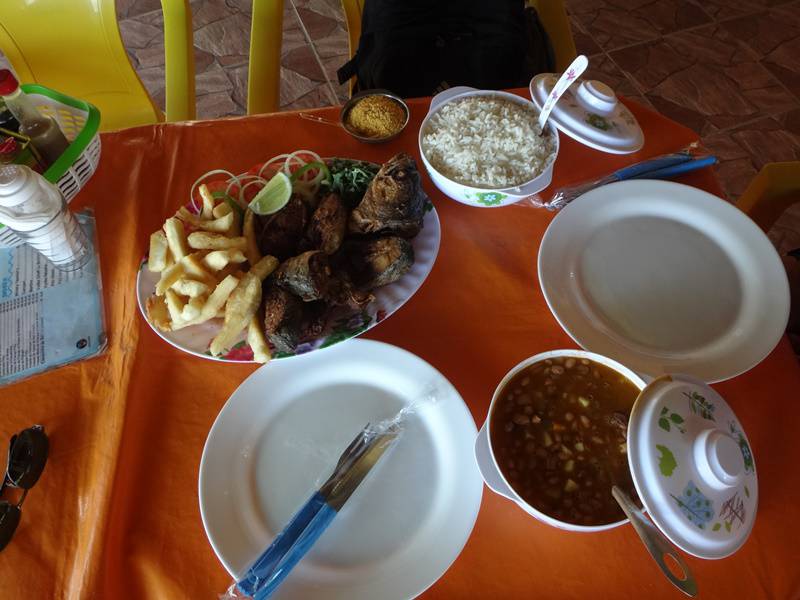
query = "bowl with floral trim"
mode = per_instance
[
  {"x": 522, "y": 180},
  {"x": 550, "y": 435}
]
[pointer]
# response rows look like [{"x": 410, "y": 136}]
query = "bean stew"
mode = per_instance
[{"x": 558, "y": 432}]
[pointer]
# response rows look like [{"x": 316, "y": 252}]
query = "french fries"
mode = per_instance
[
  {"x": 191, "y": 288},
  {"x": 174, "y": 306},
  {"x": 169, "y": 277},
  {"x": 219, "y": 297},
  {"x": 176, "y": 238},
  {"x": 208, "y": 203},
  {"x": 213, "y": 272},
  {"x": 257, "y": 340},
  {"x": 159, "y": 250},
  {"x": 264, "y": 267},
  {"x": 235, "y": 230},
  {"x": 240, "y": 308},
  {"x": 202, "y": 240},
  {"x": 234, "y": 269},
  {"x": 249, "y": 231},
  {"x": 217, "y": 260},
  {"x": 221, "y": 209},
  {"x": 195, "y": 269},
  {"x": 157, "y": 313},
  {"x": 193, "y": 308},
  {"x": 220, "y": 225},
  {"x": 211, "y": 308}
]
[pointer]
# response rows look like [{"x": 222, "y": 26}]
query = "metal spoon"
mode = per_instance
[
  {"x": 569, "y": 76},
  {"x": 656, "y": 544}
]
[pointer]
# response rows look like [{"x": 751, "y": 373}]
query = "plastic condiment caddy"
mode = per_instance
[{"x": 80, "y": 121}]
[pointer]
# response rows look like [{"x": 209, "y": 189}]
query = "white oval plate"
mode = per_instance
[
  {"x": 342, "y": 325},
  {"x": 664, "y": 278},
  {"x": 280, "y": 435}
]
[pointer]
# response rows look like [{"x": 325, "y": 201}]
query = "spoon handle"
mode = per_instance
[
  {"x": 656, "y": 543},
  {"x": 572, "y": 73},
  {"x": 317, "y": 119}
]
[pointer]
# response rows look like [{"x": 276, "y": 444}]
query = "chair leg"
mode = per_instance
[
  {"x": 264, "y": 72},
  {"x": 772, "y": 191},
  {"x": 352, "y": 13},
  {"x": 179, "y": 60}
]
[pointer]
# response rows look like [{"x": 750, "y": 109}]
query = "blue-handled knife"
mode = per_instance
[
  {"x": 663, "y": 167},
  {"x": 313, "y": 518}
]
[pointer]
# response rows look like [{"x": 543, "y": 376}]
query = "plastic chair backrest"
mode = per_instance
[
  {"x": 264, "y": 70},
  {"x": 352, "y": 14},
  {"x": 74, "y": 46},
  {"x": 771, "y": 192},
  {"x": 551, "y": 13},
  {"x": 553, "y": 16}
]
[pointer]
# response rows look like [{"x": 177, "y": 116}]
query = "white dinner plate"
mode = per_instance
[
  {"x": 342, "y": 325},
  {"x": 664, "y": 278},
  {"x": 280, "y": 435}
]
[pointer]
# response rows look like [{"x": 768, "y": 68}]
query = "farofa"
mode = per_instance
[{"x": 375, "y": 116}]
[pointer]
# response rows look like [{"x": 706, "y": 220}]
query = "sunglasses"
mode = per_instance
[{"x": 27, "y": 454}]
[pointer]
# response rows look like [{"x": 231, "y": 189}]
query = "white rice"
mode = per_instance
[{"x": 487, "y": 142}]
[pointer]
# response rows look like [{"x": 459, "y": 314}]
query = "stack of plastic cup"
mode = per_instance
[{"x": 38, "y": 214}]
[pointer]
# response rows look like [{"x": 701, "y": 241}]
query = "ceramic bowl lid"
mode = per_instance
[
  {"x": 692, "y": 466},
  {"x": 590, "y": 113}
]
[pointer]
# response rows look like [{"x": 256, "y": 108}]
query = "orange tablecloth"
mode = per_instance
[{"x": 115, "y": 514}]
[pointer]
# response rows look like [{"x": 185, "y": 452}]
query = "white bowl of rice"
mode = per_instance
[{"x": 483, "y": 148}]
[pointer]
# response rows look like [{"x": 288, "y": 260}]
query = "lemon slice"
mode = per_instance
[{"x": 273, "y": 196}]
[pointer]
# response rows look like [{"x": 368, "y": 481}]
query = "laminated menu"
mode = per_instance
[{"x": 48, "y": 318}]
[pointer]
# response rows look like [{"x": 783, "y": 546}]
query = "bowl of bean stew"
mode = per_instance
[{"x": 555, "y": 438}]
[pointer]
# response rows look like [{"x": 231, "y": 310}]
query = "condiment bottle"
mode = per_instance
[
  {"x": 7, "y": 120},
  {"x": 43, "y": 131},
  {"x": 36, "y": 211},
  {"x": 9, "y": 148}
]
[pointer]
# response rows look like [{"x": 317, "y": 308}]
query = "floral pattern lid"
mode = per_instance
[
  {"x": 692, "y": 466},
  {"x": 590, "y": 113}
]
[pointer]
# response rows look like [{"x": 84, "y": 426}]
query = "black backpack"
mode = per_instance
[{"x": 420, "y": 47}]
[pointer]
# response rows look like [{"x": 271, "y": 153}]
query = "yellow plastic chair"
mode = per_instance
[
  {"x": 553, "y": 16},
  {"x": 551, "y": 13},
  {"x": 74, "y": 46},
  {"x": 264, "y": 69},
  {"x": 352, "y": 15},
  {"x": 772, "y": 191}
]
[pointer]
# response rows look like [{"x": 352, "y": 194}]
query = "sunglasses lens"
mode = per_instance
[
  {"x": 9, "y": 519},
  {"x": 27, "y": 455}
]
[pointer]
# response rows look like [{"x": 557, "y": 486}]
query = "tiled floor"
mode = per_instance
[
  {"x": 222, "y": 39},
  {"x": 729, "y": 69}
]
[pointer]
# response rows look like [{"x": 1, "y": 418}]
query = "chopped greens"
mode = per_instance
[{"x": 350, "y": 178}]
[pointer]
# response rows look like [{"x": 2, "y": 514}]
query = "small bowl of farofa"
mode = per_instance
[{"x": 375, "y": 116}]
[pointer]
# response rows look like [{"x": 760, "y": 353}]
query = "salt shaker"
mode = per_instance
[{"x": 36, "y": 211}]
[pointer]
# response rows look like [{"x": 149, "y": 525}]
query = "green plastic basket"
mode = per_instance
[{"x": 79, "y": 121}]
